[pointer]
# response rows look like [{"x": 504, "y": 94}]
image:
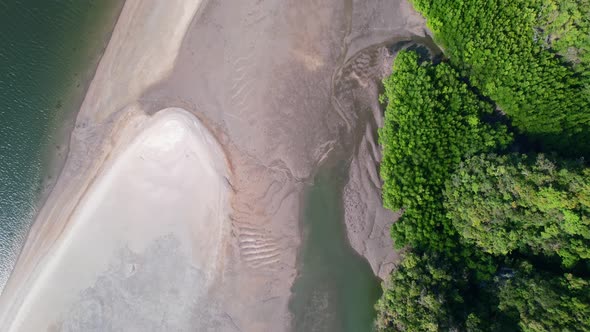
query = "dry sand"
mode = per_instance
[
  {"x": 151, "y": 226},
  {"x": 262, "y": 77}
]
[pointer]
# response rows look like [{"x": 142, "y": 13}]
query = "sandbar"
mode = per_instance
[{"x": 160, "y": 199}]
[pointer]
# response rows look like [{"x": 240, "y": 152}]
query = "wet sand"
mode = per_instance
[
  {"x": 273, "y": 101},
  {"x": 55, "y": 50},
  {"x": 356, "y": 90},
  {"x": 263, "y": 77}
]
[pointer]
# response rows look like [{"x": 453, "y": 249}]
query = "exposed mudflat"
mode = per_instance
[
  {"x": 283, "y": 85},
  {"x": 267, "y": 76},
  {"x": 356, "y": 90}
]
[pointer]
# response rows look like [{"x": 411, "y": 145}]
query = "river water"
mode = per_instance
[
  {"x": 336, "y": 289},
  {"x": 48, "y": 53}
]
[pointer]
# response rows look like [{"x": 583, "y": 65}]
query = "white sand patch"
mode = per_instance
[{"x": 169, "y": 181}]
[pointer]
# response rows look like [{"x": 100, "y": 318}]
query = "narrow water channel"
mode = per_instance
[{"x": 336, "y": 289}]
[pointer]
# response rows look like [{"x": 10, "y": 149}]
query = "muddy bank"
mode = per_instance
[{"x": 356, "y": 92}]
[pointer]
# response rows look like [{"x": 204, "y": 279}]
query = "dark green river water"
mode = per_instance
[
  {"x": 336, "y": 289},
  {"x": 48, "y": 53}
]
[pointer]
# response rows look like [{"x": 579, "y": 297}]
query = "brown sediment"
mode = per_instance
[
  {"x": 356, "y": 90},
  {"x": 272, "y": 80},
  {"x": 277, "y": 77}
]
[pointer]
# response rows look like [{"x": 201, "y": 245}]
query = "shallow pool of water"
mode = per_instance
[{"x": 336, "y": 289}]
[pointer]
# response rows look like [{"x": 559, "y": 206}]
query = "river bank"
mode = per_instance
[
  {"x": 50, "y": 53},
  {"x": 277, "y": 115}
]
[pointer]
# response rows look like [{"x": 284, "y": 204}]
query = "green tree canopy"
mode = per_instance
[
  {"x": 466, "y": 209},
  {"x": 432, "y": 121},
  {"x": 501, "y": 46},
  {"x": 564, "y": 27},
  {"x": 424, "y": 290},
  {"x": 429, "y": 292},
  {"x": 516, "y": 202},
  {"x": 544, "y": 303}
]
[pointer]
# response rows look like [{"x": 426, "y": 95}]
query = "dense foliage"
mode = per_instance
[
  {"x": 515, "y": 202},
  {"x": 432, "y": 120},
  {"x": 544, "y": 302},
  {"x": 429, "y": 292},
  {"x": 471, "y": 216},
  {"x": 423, "y": 297},
  {"x": 432, "y": 139},
  {"x": 501, "y": 46},
  {"x": 564, "y": 27}
]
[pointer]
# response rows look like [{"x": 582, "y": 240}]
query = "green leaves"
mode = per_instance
[
  {"x": 521, "y": 203},
  {"x": 507, "y": 49},
  {"x": 466, "y": 211},
  {"x": 543, "y": 302},
  {"x": 431, "y": 122},
  {"x": 423, "y": 296},
  {"x": 565, "y": 28}
]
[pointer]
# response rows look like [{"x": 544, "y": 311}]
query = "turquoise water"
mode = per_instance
[
  {"x": 48, "y": 52},
  {"x": 336, "y": 289}
]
